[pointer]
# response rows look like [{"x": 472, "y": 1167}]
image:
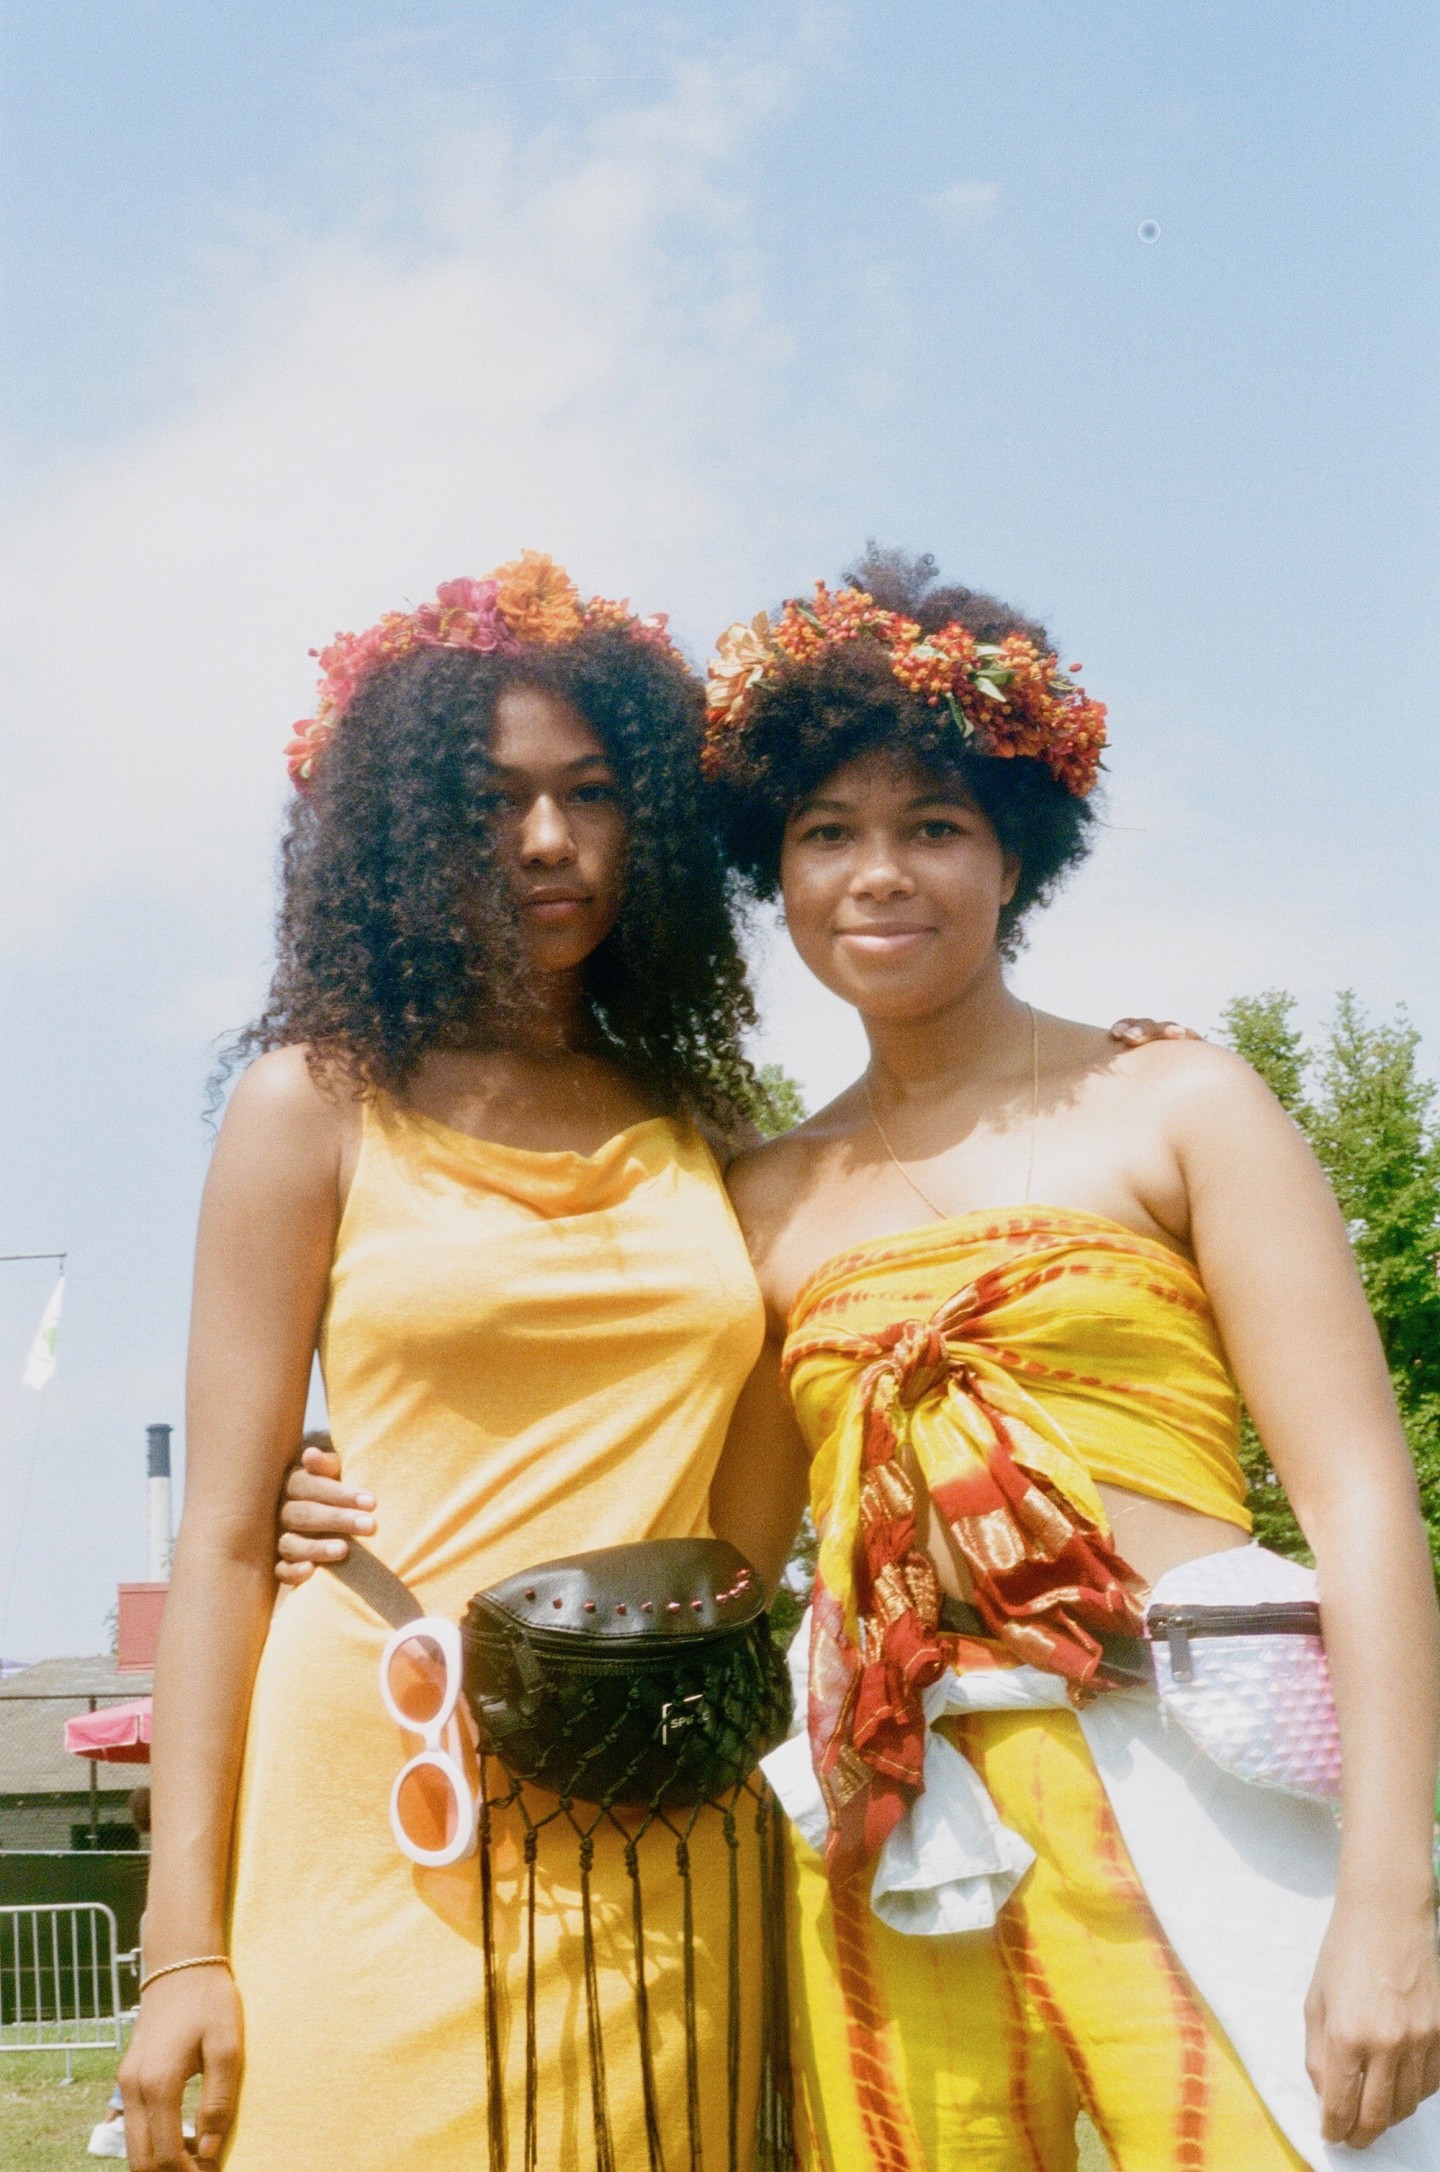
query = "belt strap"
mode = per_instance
[
  {"x": 380, "y": 1588},
  {"x": 1129, "y": 1657}
]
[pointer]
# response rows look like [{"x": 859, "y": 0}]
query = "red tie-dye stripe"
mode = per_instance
[{"x": 893, "y": 2143}]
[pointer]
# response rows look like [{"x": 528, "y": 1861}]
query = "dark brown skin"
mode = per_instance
[{"x": 276, "y": 1189}]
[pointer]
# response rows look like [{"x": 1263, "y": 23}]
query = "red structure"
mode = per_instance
[{"x": 140, "y": 1609}]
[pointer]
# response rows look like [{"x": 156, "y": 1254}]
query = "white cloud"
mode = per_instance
[
  {"x": 571, "y": 349},
  {"x": 965, "y": 203}
]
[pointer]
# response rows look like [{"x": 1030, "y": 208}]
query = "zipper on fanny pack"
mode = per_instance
[
  {"x": 1178, "y": 1624},
  {"x": 585, "y": 1653}
]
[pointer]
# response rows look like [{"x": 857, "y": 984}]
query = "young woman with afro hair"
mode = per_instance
[{"x": 1016, "y": 1280}]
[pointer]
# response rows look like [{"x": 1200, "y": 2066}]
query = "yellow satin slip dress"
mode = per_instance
[{"x": 525, "y": 1355}]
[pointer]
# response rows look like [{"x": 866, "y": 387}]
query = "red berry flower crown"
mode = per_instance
[
  {"x": 1006, "y": 697},
  {"x": 528, "y": 603}
]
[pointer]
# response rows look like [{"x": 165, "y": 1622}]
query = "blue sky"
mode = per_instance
[{"x": 306, "y": 308}]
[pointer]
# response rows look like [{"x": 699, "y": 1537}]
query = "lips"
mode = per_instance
[{"x": 884, "y": 938}]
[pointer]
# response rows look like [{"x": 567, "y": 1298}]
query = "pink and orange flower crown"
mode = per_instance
[
  {"x": 530, "y": 602},
  {"x": 1006, "y": 698}
]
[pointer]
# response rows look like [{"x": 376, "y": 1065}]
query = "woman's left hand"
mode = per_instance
[
  {"x": 1135, "y": 1032},
  {"x": 1372, "y": 2020}
]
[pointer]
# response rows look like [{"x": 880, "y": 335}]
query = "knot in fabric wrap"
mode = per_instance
[
  {"x": 918, "y": 1356},
  {"x": 902, "y": 1383}
]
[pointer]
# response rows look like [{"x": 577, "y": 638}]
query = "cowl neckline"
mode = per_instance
[{"x": 552, "y": 1180}]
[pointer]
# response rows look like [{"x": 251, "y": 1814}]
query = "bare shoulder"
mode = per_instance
[
  {"x": 1190, "y": 1071},
  {"x": 281, "y": 1099},
  {"x": 768, "y": 1181},
  {"x": 1208, "y": 1105}
]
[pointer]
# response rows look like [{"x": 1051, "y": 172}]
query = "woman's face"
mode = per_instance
[
  {"x": 893, "y": 881},
  {"x": 555, "y": 805}
]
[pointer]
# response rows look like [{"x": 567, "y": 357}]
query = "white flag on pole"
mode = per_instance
[{"x": 40, "y": 1365}]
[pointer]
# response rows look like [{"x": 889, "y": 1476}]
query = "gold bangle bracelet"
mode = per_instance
[{"x": 173, "y": 1968}]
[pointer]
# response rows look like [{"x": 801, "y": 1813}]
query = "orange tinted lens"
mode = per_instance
[
  {"x": 417, "y": 1679},
  {"x": 426, "y": 1808}
]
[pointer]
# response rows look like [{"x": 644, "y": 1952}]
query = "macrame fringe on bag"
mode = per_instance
[{"x": 749, "y": 1801}]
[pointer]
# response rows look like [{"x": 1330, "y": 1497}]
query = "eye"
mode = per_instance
[
  {"x": 939, "y": 829},
  {"x": 596, "y": 795},
  {"x": 823, "y": 833}
]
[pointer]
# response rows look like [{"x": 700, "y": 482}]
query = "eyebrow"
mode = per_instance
[
  {"x": 582, "y": 761},
  {"x": 819, "y": 802}
]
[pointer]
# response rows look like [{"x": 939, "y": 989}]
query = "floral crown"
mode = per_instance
[
  {"x": 528, "y": 603},
  {"x": 1006, "y": 697}
]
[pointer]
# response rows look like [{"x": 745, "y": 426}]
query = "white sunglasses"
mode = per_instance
[{"x": 432, "y": 1804}]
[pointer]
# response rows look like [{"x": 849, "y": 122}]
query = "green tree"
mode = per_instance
[
  {"x": 1370, "y": 1114},
  {"x": 1375, "y": 1134},
  {"x": 779, "y": 1104},
  {"x": 1262, "y": 1030}
]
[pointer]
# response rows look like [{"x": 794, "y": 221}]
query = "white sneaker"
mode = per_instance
[{"x": 108, "y": 2140}]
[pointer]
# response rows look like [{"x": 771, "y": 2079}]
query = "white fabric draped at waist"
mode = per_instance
[{"x": 1241, "y": 1878}]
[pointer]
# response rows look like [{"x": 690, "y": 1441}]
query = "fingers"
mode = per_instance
[
  {"x": 1430, "y": 2073},
  {"x": 1371, "y": 2088},
  {"x": 327, "y": 1492},
  {"x": 323, "y": 1462},
  {"x": 298, "y": 1549},
  {"x": 324, "y": 1519},
  {"x": 218, "y": 2091},
  {"x": 1135, "y": 1032},
  {"x": 1377, "y": 2099},
  {"x": 1408, "y": 2089},
  {"x": 1341, "y": 2084},
  {"x": 154, "y": 2141}
]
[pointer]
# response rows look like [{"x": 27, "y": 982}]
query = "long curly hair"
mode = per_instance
[
  {"x": 397, "y": 933},
  {"x": 809, "y": 719}
]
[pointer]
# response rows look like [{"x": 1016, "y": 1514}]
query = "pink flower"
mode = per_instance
[{"x": 466, "y": 595}]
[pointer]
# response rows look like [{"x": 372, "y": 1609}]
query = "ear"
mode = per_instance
[{"x": 1009, "y": 877}]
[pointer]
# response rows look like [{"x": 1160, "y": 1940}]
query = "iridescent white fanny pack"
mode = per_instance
[{"x": 1240, "y": 1664}]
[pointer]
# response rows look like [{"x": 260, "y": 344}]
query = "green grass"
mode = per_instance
[{"x": 43, "y": 2125}]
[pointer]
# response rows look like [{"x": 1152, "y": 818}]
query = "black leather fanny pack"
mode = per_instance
[
  {"x": 641, "y": 1674},
  {"x": 635, "y": 1675}
]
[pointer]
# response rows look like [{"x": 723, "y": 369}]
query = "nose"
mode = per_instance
[
  {"x": 879, "y": 873},
  {"x": 546, "y": 839}
]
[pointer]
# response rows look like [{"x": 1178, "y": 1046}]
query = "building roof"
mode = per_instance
[{"x": 34, "y": 1706}]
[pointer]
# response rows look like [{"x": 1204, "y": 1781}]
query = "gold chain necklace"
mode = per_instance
[{"x": 939, "y": 1212}]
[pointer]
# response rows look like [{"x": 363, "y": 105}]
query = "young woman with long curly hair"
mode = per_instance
[{"x": 466, "y": 1165}]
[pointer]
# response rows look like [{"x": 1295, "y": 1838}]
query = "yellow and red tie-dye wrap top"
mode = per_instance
[{"x": 1011, "y": 1361}]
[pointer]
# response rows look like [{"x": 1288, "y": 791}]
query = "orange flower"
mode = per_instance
[
  {"x": 742, "y": 657},
  {"x": 538, "y": 600},
  {"x": 1007, "y": 698}
]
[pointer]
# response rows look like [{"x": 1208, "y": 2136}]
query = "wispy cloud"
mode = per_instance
[
  {"x": 571, "y": 348},
  {"x": 965, "y": 203}
]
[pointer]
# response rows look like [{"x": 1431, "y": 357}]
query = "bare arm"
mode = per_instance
[
  {"x": 266, "y": 1241},
  {"x": 1273, "y": 1254},
  {"x": 760, "y": 1488}
]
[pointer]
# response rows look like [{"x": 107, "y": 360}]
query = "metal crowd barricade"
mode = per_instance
[{"x": 59, "y": 1979}]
